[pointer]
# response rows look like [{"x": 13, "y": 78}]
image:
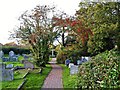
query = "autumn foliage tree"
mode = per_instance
[
  {"x": 75, "y": 27},
  {"x": 36, "y": 29}
]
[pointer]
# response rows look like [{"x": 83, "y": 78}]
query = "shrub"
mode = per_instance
[
  {"x": 102, "y": 71},
  {"x": 61, "y": 57}
]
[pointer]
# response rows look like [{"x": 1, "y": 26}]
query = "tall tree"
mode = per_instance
[
  {"x": 36, "y": 28},
  {"x": 103, "y": 19}
]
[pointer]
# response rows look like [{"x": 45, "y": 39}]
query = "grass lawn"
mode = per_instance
[
  {"x": 14, "y": 63},
  {"x": 18, "y": 74},
  {"x": 12, "y": 85},
  {"x": 36, "y": 80},
  {"x": 68, "y": 80},
  {"x": 20, "y": 58}
]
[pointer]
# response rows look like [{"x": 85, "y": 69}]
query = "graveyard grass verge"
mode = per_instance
[
  {"x": 14, "y": 63},
  {"x": 67, "y": 79},
  {"x": 18, "y": 79},
  {"x": 11, "y": 84},
  {"x": 35, "y": 80}
]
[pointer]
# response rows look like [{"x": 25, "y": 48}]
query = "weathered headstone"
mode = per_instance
[
  {"x": 79, "y": 62},
  {"x": 28, "y": 64},
  {"x": 26, "y": 57},
  {"x": 84, "y": 59},
  {"x": 6, "y": 74},
  {"x": 73, "y": 69},
  {"x": 67, "y": 62},
  {"x": 2, "y": 66},
  {"x": 5, "y": 59},
  {"x": 11, "y": 54},
  {"x": 9, "y": 66},
  {"x": 87, "y": 58},
  {"x": 70, "y": 64},
  {"x": 1, "y": 54},
  {"x": 13, "y": 59}
]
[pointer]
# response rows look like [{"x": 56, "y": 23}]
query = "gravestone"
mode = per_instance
[
  {"x": 67, "y": 62},
  {"x": 28, "y": 64},
  {"x": 84, "y": 59},
  {"x": 70, "y": 64},
  {"x": 26, "y": 57},
  {"x": 11, "y": 54},
  {"x": 5, "y": 59},
  {"x": 9, "y": 66},
  {"x": 1, "y": 54},
  {"x": 73, "y": 69},
  {"x": 87, "y": 58},
  {"x": 2, "y": 66},
  {"x": 79, "y": 62},
  {"x": 6, "y": 74},
  {"x": 13, "y": 59}
]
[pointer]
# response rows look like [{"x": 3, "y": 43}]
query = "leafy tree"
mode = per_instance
[
  {"x": 36, "y": 28},
  {"x": 103, "y": 19}
]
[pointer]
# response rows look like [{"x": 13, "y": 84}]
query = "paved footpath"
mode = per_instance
[{"x": 54, "y": 79}]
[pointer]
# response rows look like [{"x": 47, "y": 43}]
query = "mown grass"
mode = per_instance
[
  {"x": 14, "y": 63},
  {"x": 35, "y": 79},
  {"x": 11, "y": 85},
  {"x": 20, "y": 58},
  {"x": 67, "y": 79},
  {"x": 18, "y": 74}
]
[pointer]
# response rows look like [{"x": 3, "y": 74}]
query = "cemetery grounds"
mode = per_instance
[{"x": 25, "y": 78}]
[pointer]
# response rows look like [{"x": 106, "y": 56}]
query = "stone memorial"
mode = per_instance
[
  {"x": 28, "y": 64},
  {"x": 73, "y": 69},
  {"x": 9, "y": 66},
  {"x": 79, "y": 62},
  {"x": 11, "y": 54},
  {"x": 70, "y": 64},
  {"x": 26, "y": 57},
  {"x": 2, "y": 66},
  {"x": 6, "y": 74},
  {"x": 1, "y": 54},
  {"x": 12, "y": 57},
  {"x": 5, "y": 59},
  {"x": 67, "y": 62}
]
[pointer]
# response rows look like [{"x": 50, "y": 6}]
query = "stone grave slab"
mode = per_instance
[
  {"x": 67, "y": 62},
  {"x": 7, "y": 75},
  {"x": 79, "y": 62},
  {"x": 28, "y": 64},
  {"x": 73, "y": 69},
  {"x": 1, "y": 54},
  {"x": 9, "y": 66},
  {"x": 70, "y": 64},
  {"x": 11, "y": 53},
  {"x": 5, "y": 59}
]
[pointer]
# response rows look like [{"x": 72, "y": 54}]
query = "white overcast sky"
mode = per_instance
[{"x": 10, "y": 10}]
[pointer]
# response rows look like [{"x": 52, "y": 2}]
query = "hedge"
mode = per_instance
[{"x": 16, "y": 50}]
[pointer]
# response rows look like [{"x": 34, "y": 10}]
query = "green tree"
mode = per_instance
[
  {"x": 103, "y": 19},
  {"x": 36, "y": 29}
]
